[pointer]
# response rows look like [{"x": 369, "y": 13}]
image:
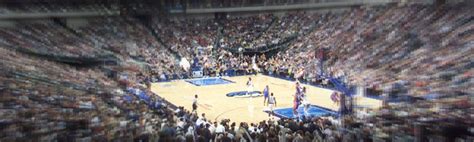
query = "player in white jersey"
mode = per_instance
[
  {"x": 249, "y": 86},
  {"x": 305, "y": 101},
  {"x": 271, "y": 104}
]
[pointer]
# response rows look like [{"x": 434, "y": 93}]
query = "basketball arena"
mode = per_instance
[{"x": 237, "y": 70}]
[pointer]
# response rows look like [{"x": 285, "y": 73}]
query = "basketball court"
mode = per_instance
[{"x": 214, "y": 102}]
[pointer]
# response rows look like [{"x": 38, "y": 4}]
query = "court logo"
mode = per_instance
[{"x": 244, "y": 94}]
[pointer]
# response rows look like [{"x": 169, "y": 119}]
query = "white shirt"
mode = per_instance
[
  {"x": 180, "y": 124},
  {"x": 249, "y": 84},
  {"x": 212, "y": 129},
  {"x": 271, "y": 100},
  {"x": 200, "y": 121},
  {"x": 195, "y": 100},
  {"x": 305, "y": 99},
  {"x": 220, "y": 129},
  {"x": 251, "y": 129},
  {"x": 190, "y": 131}
]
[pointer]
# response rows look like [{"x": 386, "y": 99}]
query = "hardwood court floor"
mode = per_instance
[{"x": 217, "y": 106}]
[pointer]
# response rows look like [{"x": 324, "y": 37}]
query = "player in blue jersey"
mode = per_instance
[{"x": 265, "y": 94}]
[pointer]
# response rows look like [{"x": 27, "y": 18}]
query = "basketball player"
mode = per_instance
[
  {"x": 195, "y": 103},
  {"x": 265, "y": 94},
  {"x": 298, "y": 88},
  {"x": 335, "y": 97},
  {"x": 302, "y": 94},
  {"x": 271, "y": 104},
  {"x": 249, "y": 86},
  {"x": 305, "y": 102},
  {"x": 296, "y": 104},
  {"x": 297, "y": 98}
]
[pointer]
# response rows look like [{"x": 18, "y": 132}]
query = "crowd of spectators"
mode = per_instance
[
  {"x": 201, "y": 41},
  {"x": 47, "y": 37},
  {"x": 240, "y": 32},
  {"x": 425, "y": 49},
  {"x": 188, "y": 36},
  {"x": 382, "y": 46},
  {"x": 133, "y": 43},
  {"x": 192, "y": 127},
  {"x": 379, "y": 48},
  {"x": 288, "y": 25},
  {"x": 121, "y": 37},
  {"x": 42, "y": 99}
]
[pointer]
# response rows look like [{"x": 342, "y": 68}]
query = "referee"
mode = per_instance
[{"x": 195, "y": 103}]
